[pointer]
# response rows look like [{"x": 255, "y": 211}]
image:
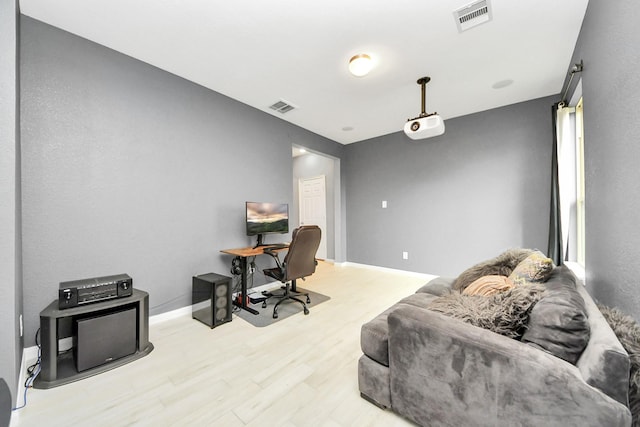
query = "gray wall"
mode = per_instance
[
  {"x": 10, "y": 260},
  {"x": 456, "y": 199},
  {"x": 608, "y": 44},
  {"x": 129, "y": 169},
  {"x": 312, "y": 165}
]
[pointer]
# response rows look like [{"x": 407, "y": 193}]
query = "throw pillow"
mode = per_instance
[
  {"x": 489, "y": 285},
  {"x": 503, "y": 265},
  {"x": 505, "y": 313},
  {"x": 534, "y": 268},
  {"x": 559, "y": 323}
]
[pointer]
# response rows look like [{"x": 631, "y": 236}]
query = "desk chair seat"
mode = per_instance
[{"x": 299, "y": 263}]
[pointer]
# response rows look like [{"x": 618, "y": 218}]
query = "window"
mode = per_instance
[{"x": 580, "y": 196}]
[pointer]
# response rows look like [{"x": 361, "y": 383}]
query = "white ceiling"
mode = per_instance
[{"x": 259, "y": 52}]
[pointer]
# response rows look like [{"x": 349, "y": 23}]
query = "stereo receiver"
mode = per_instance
[{"x": 95, "y": 289}]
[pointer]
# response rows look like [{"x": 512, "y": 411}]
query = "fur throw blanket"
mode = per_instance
[
  {"x": 501, "y": 265},
  {"x": 628, "y": 332},
  {"x": 506, "y": 313}
]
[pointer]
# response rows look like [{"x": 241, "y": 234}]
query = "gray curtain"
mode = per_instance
[{"x": 554, "y": 251}]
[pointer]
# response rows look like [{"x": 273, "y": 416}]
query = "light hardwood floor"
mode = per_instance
[{"x": 300, "y": 371}]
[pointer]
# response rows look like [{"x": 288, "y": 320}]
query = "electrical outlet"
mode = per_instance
[
  {"x": 405, "y": 255},
  {"x": 384, "y": 204}
]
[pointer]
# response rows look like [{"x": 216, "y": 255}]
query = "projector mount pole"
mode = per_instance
[{"x": 423, "y": 83}]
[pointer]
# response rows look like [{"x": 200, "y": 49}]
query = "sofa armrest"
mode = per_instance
[{"x": 446, "y": 372}]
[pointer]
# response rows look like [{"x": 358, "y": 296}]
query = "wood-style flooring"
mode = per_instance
[{"x": 300, "y": 371}]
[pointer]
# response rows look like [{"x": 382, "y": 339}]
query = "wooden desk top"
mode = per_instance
[{"x": 251, "y": 251}]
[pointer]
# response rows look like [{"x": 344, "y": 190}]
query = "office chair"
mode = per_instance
[{"x": 299, "y": 263}]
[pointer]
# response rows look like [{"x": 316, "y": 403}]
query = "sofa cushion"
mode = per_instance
[
  {"x": 503, "y": 265},
  {"x": 558, "y": 323},
  {"x": 438, "y": 286},
  {"x": 627, "y": 331},
  {"x": 489, "y": 285},
  {"x": 534, "y": 268},
  {"x": 505, "y": 313},
  {"x": 374, "y": 335}
]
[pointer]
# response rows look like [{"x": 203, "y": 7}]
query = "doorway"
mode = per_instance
[
  {"x": 308, "y": 165},
  {"x": 313, "y": 207}
]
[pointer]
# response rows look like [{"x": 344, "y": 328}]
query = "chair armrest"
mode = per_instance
[
  {"x": 447, "y": 372},
  {"x": 274, "y": 255}
]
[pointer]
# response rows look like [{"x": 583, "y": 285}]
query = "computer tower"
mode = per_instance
[
  {"x": 104, "y": 338},
  {"x": 211, "y": 299}
]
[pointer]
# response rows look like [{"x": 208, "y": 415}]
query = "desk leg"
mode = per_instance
[{"x": 243, "y": 282}]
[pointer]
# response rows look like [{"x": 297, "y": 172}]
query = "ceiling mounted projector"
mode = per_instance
[{"x": 425, "y": 125}]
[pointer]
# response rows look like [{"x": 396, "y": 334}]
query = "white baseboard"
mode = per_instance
[
  {"x": 387, "y": 270},
  {"x": 173, "y": 314}
]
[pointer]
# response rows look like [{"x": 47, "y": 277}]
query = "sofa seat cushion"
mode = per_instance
[
  {"x": 374, "y": 335},
  {"x": 438, "y": 286},
  {"x": 559, "y": 323}
]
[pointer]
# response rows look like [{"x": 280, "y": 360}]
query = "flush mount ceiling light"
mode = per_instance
[
  {"x": 360, "y": 65},
  {"x": 425, "y": 125}
]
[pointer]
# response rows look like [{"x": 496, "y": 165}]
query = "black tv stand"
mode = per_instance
[{"x": 59, "y": 369}]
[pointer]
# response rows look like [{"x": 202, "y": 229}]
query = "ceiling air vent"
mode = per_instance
[
  {"x": 472, "y": 15},
  {"x": 282, "y": 107}
]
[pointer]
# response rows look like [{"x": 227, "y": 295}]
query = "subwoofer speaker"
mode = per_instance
[
  {"x": 211, "y": 299},
  {"x": 103, "y": 338}
]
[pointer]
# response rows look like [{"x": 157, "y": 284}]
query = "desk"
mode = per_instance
[{"x": 245, "y": 253}]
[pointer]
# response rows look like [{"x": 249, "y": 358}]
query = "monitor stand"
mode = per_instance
[{"x": 259, "y": 243}]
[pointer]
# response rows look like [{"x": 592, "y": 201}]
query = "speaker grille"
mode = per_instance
[
  {"x": 211, "y": 299},
  {"x": 104, "y": 337}
]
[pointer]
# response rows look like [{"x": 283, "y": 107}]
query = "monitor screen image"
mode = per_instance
[{"x": 263, "y": 218}]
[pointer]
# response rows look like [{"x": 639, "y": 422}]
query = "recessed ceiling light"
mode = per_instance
[
  {"x": 360, "y": 65},
  {"x": 347, "y": 128},
  {"x": 502, "y": 83}
]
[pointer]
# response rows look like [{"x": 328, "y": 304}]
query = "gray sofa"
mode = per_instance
[{"x": 440, "y": 371}]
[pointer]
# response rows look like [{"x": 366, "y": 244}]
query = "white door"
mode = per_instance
[{"x": 313, "y": 208}]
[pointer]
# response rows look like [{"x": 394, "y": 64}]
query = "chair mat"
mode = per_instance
[{"x": 286, "y": 309}]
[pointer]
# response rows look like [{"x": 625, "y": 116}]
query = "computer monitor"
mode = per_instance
[{"x": 266, "y": 218}]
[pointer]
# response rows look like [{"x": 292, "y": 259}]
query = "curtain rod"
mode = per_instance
[{"x": 577, "y": 68}]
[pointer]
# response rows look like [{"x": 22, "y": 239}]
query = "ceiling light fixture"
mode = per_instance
[
  {"x": 360, "y": 65},
  {"x": 425, "y": 125}
]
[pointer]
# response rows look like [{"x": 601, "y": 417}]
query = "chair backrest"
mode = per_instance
[{"x": 300, "y": 261}]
